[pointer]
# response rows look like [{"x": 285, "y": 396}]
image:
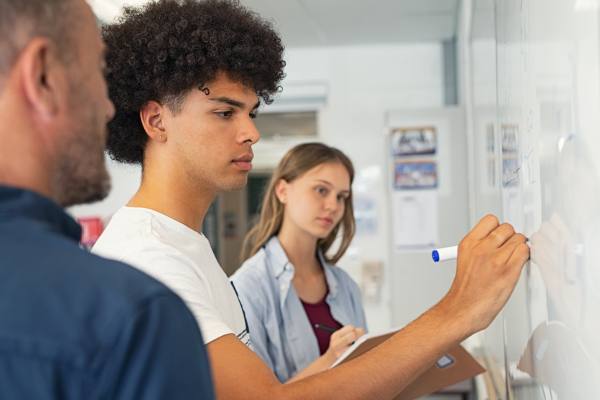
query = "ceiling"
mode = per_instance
[{"x": 310, "y": 23}]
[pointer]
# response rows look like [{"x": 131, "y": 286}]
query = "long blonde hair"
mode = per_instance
[{"x": 296, "y": 162}]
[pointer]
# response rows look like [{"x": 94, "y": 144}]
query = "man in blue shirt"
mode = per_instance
[{"x": 73, "y": 325}]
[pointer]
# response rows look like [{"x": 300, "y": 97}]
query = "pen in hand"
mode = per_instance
[{"x": 325, "y": 328}]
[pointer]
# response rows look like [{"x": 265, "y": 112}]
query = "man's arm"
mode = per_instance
[
  {"x": 489, "y": 264},
  {"x": 381, "y": 373}
]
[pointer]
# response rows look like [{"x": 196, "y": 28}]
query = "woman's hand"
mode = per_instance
[{"x": 341, "y": 340}]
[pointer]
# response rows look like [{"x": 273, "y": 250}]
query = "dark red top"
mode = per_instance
[{"x": 319, "y": 313}]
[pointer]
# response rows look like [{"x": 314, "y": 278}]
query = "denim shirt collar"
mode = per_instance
[
  {"x": 283, "y": 270},
  {"x": 21, "y": 203}
]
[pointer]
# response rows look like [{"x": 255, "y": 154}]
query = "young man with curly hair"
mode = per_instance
[
  {"x": 73, "y": 325},
  {"x": 186, "y": 78}
]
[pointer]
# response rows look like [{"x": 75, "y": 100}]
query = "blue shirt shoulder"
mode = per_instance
[{"x": 74, "y": 325}]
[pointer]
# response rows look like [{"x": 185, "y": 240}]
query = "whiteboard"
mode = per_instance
[{"x": 535, "y": 117}]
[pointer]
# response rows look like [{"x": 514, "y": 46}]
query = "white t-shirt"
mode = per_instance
[{"x": 183, "y": 260}]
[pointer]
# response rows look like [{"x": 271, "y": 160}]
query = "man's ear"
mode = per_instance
[
  {"x": 43, "y": 77},
  {"x": 152, "y": 117},
  {"x": 281, "y": 189}
]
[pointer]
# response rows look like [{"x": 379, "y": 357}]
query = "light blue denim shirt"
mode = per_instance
[{"x": 280, "y": 331}]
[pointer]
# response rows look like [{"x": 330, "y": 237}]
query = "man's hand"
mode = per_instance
[{"x": 490, "y": 259}]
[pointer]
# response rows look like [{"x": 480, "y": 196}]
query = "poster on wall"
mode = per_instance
[
  {"x": 415, "y": 221},
  {"x": 91, "y": 229},
  {"x": 365, "y": 214},
  {"x": 417, "y": 174},
  {"x": 411, "y": 141},
  {"x": 414, "y": 182},
  {"x": 364, "y": 198}
]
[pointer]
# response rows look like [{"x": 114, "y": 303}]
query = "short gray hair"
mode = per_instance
[{"x": 21, "y": 20}]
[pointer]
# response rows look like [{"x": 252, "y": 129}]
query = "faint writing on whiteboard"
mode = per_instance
[
  {"x": 490, "y": 152},
  {"x": 511, "y": 164}
]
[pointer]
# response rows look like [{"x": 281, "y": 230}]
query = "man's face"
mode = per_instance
[
  {"x": 82, "y": 175},
  {"x": 210, "y": 138}
]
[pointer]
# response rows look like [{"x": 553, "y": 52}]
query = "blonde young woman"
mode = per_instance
[{"x": 302, "y": 310}]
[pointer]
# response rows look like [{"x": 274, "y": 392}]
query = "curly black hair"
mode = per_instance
[{"x": 164, "y": 49}]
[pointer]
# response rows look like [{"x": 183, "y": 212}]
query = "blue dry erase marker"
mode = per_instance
[{"x": 444, "y": 253}]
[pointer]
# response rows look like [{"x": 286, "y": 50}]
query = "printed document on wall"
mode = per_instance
[{"x": 415, "y": 216}]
